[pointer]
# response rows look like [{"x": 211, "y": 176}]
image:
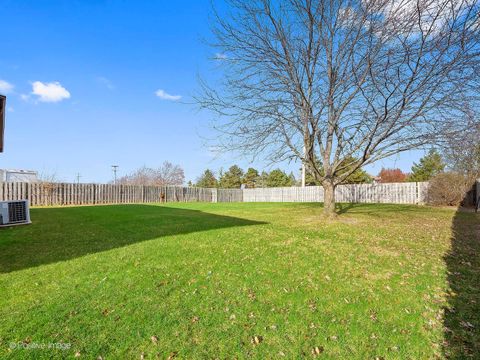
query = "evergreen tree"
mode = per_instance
[
  {"x": 429, "y": 166},
  {"x": 232, "y": 179},
  {"x": 262, "y": 180},
  {"x": 207, "y": 180},
  {"x": 278, "y": 178},
  {"x": 251, "y": 178},
  {"x": 359, "y": 176},
  {"x": 310, "y": 179},
  {"x": 293, "y": 181}
]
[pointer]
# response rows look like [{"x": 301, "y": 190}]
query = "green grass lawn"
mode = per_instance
[{"x": 241, "y": 281}]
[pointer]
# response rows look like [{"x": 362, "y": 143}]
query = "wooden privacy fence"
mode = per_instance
[
  {"x": 394, "y": 193},
  {"x": 44, "y": 194}
]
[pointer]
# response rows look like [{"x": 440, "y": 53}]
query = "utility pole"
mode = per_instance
[
  {"x": 78, "y": 178},
  {"x": 303, "y": 166},
  {"x": 3, "y": 110},
  {"x": 114, "y": 169}
]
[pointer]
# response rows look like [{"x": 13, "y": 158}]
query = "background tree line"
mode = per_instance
[
  {"x": 166, "y": 174},
  {"x": 428, "y": 166},
  {"x": 235, "y": 177},
  {"x": 452, "y": 170}
]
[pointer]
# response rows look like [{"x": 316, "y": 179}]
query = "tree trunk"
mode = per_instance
[{"x": 329, "y": 199}]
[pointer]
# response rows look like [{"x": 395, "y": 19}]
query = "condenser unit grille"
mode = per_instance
[{"x": 17, "y": 211}]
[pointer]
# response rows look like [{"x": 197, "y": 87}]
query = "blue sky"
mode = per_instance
[{"x": 82, "y": 77}]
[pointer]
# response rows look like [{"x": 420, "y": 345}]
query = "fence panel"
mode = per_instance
[
  {"x": 394, "y": 193},
  {"x": 48, "y": 194},
  {"x": 229, "y": 195}
]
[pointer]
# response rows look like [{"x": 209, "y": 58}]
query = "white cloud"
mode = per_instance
[
  {"x": 5, "y": 87},
  {"x": 50, "y": 92},
  {"x": 10, "y": 109},
  {"x": 106, "y": 82},
  {"x": 166, "y": 96},
  {"x": 422, "y": 15},
  {"x": 221, "y": 56}
]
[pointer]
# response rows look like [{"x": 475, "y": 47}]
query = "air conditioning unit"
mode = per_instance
[{"x": 14, "y": 212}]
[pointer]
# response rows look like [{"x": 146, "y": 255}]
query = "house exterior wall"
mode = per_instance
[{"x": 9, "y": 175}]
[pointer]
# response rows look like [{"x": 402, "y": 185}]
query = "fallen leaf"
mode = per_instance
[
  {"x": 317, "y": 350},
  {"x": 172, "y": 355},
  {"x": 257, "y": 340},
  {"x": 467, "y": 324}
]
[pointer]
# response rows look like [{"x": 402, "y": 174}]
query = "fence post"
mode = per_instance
[{"x": 417, "y": 193}]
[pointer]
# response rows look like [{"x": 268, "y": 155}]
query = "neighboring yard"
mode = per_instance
[{"x": 242, "y": 280}]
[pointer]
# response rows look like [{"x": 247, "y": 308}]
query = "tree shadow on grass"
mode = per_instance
[
  {"x": 375, "y": 209},
  {"x": 462, "y": 317},
  {"x": 59, "y": 234},
  {"x": 342, "y": 208}
]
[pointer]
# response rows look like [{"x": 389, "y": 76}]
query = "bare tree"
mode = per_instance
[
  {"x": 46, "y": 176},
  {"x": 324, "y": 81},
  {"x": 167, "y": 174},
  {"x": 48, "y": 180},
  {"x": 170, "y": 174},
  {"x": 462, "y": 149}
]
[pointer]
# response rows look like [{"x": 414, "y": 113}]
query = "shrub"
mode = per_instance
[
  {"x": 450, "y": 189},
  {"x": 392, "y": 175}
]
